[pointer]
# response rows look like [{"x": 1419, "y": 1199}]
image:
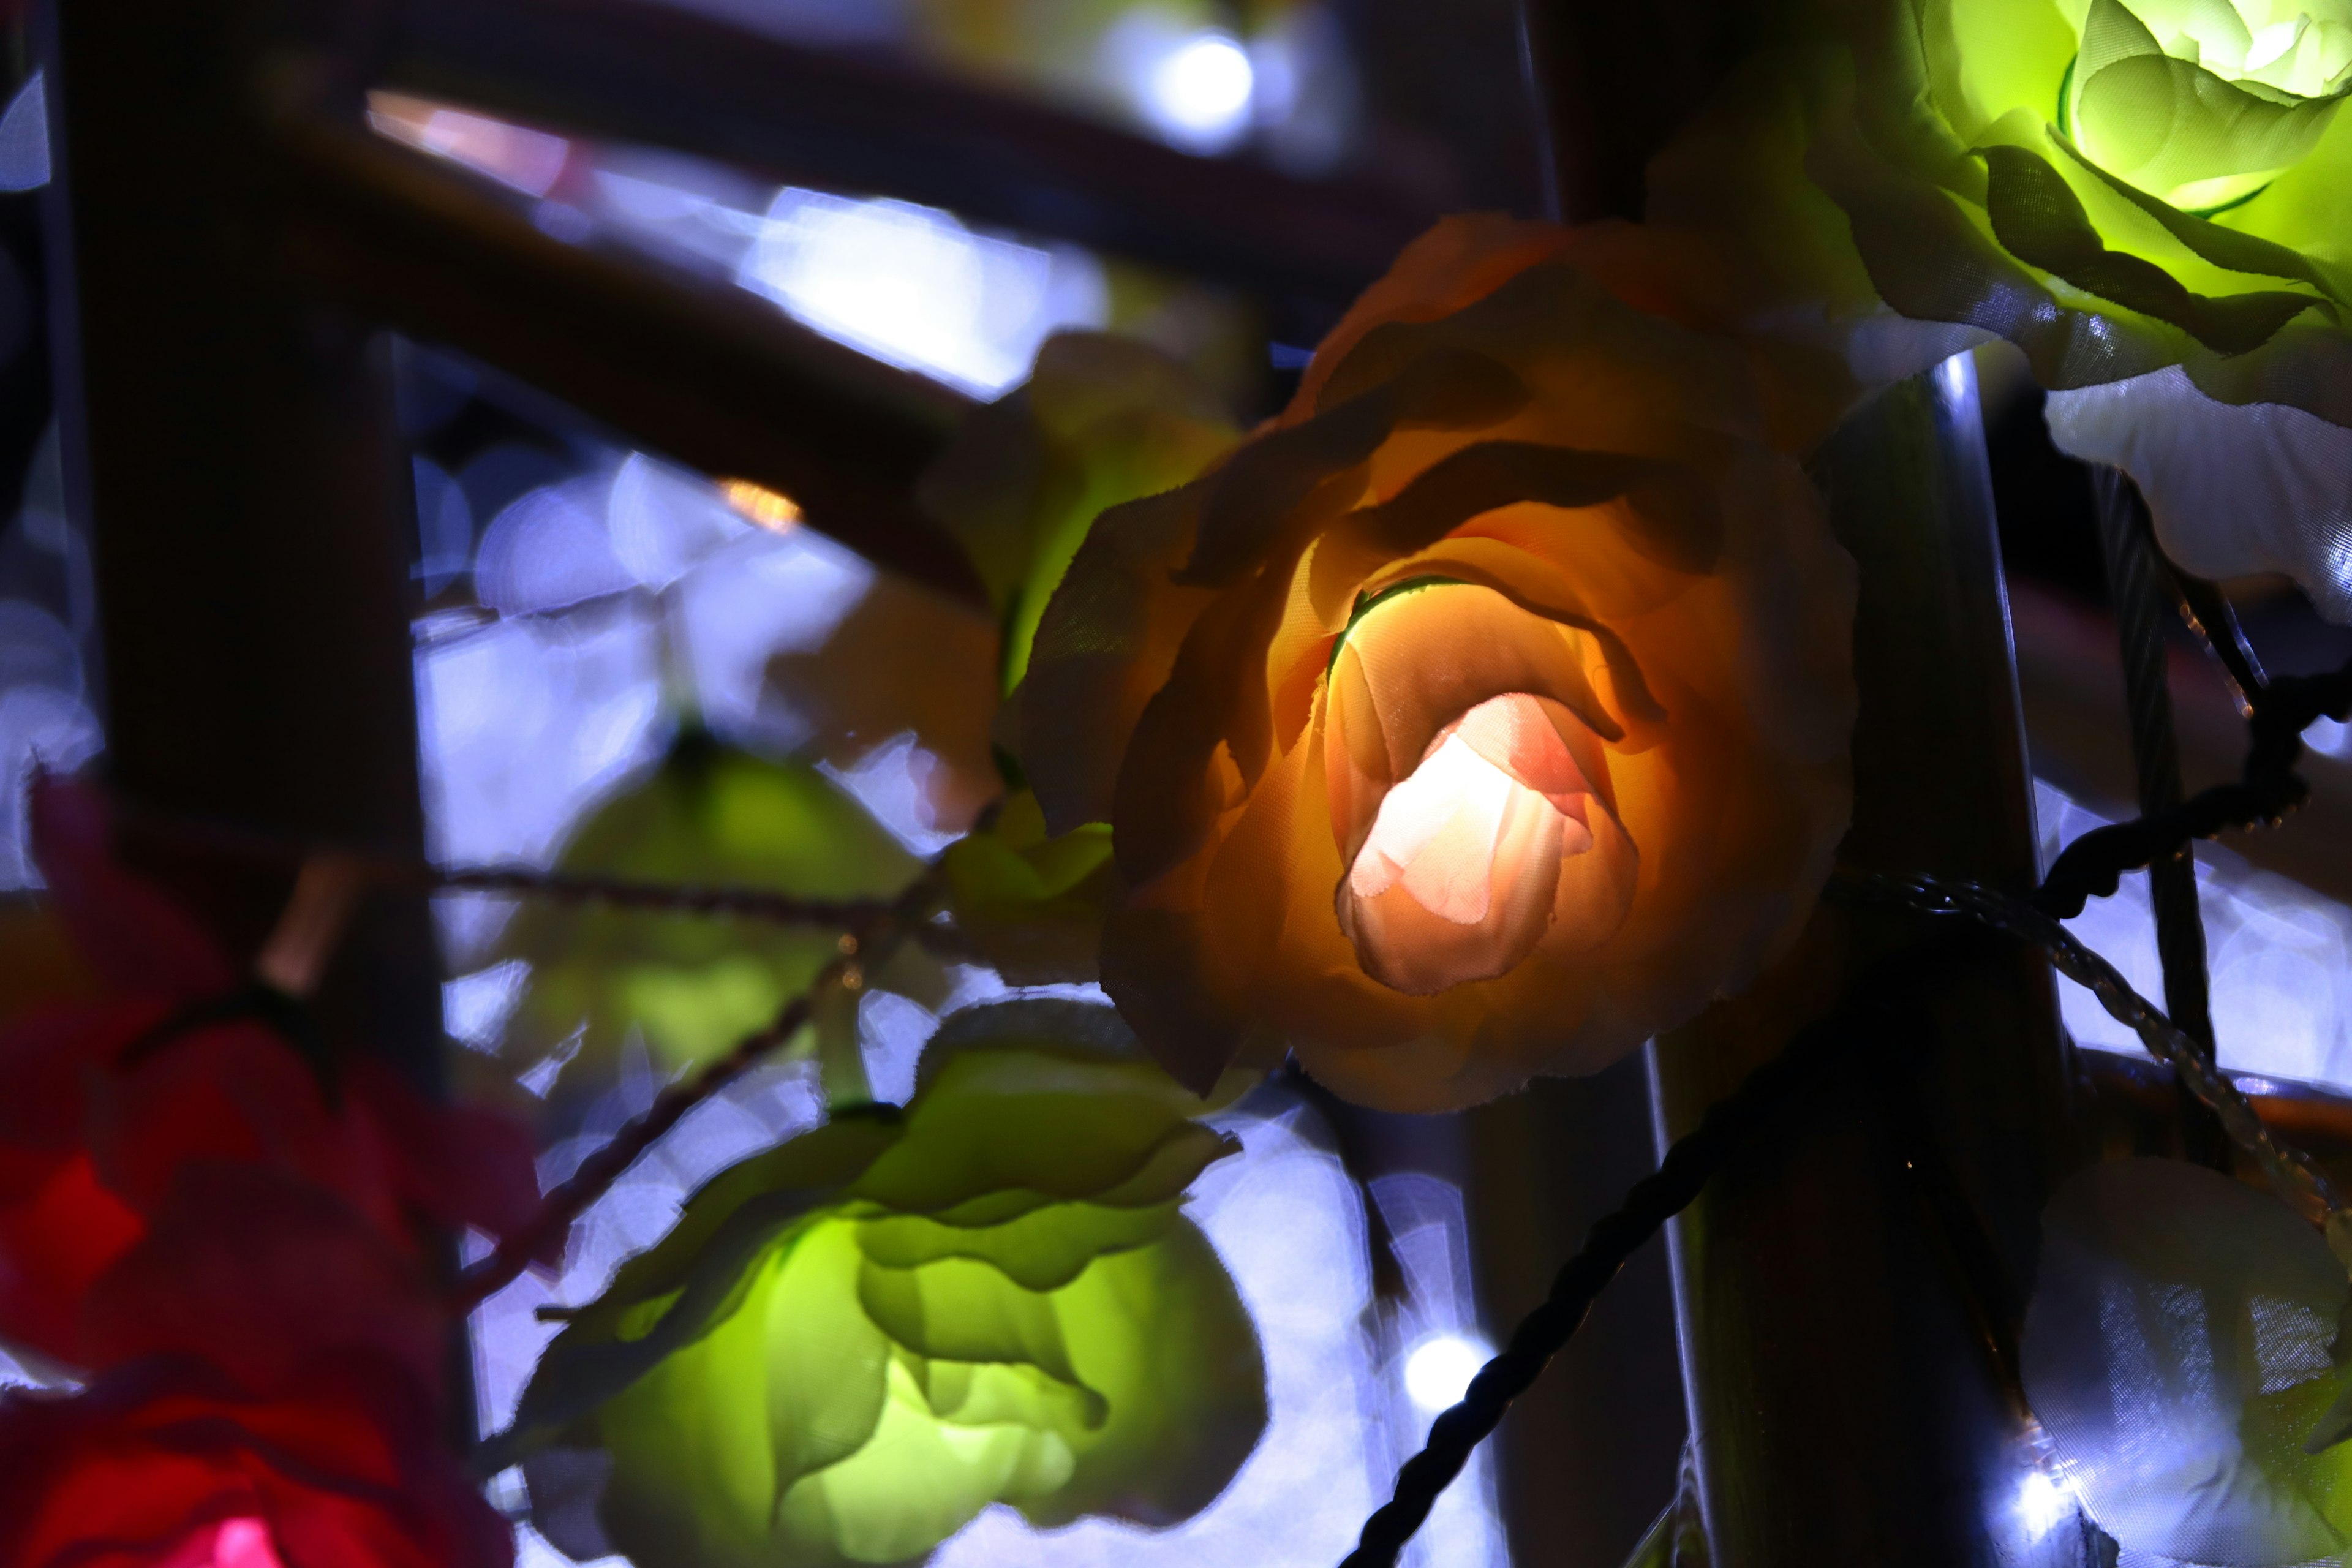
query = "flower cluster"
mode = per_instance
[
  {"x": 852, "y": 1343},
  {"x": 227, "y": 1232},
  {"x": 2146, "y": 196},
  {"x": 1482, "y": 716}
]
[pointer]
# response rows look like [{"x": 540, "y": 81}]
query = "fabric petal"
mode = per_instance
[{"x": 2233, "y": 490}]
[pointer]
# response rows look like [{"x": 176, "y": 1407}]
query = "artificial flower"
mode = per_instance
[
  {"x": 167, "y": 1464},
  {"x": 689, "y": 984},
  {"x": 2145, "y": 195},
  {"x": 1030, "y": 904},
  {"x": 106, "y": 1108},
  {"x": 1102, "y": 419},
  {"x": 2177, "y": 1351},
  {"x": 1483, "y": 716},
  {"x": 852, "y": 1343}
]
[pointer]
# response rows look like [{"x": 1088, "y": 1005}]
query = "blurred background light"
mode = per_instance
[
  {"x": 25, "y": 138},
  {"x": 48, "y": 633},
  {"x": 2041, "y": 1503},
  {"x": 529, "y": 161},
  {"x": 912, "y": 286},
  {"x": 1197, "y": 92},
  {"x": 756, "y": 503},
  {"x": 2329, "y": 738}
]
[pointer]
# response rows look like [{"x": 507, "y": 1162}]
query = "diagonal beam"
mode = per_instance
[
  {"x": 720, "y": 383},
  {"x": 634, "y": 71}
]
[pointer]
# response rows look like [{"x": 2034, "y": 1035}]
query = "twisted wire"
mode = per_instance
[
  {"x": 2136, "y": 578},
  {"x": 2094, "y": 864},
  {"x": 866, "y": 945},
  {"x": 2298, "y": 1178},
  {"x": 1695, "y": 1157}
]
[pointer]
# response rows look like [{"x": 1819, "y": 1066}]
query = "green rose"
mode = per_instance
[
  {"x": 2150, "y": 193},
  {"x": 852, "y": 1343},
  {"x": 692, "y": 985}
]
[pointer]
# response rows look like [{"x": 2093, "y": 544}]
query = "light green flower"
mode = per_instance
[
  {"x": 1033, "y": 905},
  {"x": 2150, "y": 193},
  {"x": 852, "y": 1343},
  {"x": 693, "y": 984}
]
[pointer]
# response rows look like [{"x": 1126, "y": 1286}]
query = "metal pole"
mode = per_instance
[
  {"x": 2136, "y": 587},
  {"x": 1848, "y": 1302},
  {"x": 232, "y": 453}
]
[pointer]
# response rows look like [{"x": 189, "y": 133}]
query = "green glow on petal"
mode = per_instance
[
  {"x": 708, "y": 816},
  {"x": 996, "y": 1299},
  {"x": 1367, "y": 603},
  {"x": 2202, "y": 102}
]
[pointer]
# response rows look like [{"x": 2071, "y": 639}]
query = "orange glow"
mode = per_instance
[
  {"x": 756, "y": 503},
  {"x": 1474, "y": 837}
]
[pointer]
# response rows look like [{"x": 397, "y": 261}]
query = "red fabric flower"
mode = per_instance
[
  {"x": 117, "y": 1116},
  {"x": 167, "y": 1464}
]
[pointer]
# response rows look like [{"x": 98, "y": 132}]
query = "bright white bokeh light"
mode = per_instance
[
  {"x": 1437, "y": 1371},
  {"x": 2041, "y": 1503},
  {"x": 911, "y": 285},
  {"x": 1197, "y": 93}
]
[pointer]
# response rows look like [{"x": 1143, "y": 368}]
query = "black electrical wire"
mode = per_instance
[
  {"x": 2094, "y": 865},
  {"x": 1812, "y": 1057}
]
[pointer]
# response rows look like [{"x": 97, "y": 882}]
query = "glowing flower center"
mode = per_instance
[
  {"x": 1440, "y": 831},
  {"x": 1455, "y": 881},
  {"x": 232, "y": 1544},
  {"x": 2204, "y": 102},
  {"x": 2256, "y": 40}
]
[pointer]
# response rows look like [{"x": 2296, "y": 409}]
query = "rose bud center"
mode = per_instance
[
  {"x": 1456, "y": 880},
  {"x": 232, "y": 1544},
  {"x": 2202, "y": 105}
]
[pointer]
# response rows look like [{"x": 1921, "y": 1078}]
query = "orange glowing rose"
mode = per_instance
[{"x": 1481, "y": 715}]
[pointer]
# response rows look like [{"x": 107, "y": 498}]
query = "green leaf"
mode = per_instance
[
  {"x": 1032, "y": 905},
  {"x": 1102, "y": 420},
  {"x": 695, "y": 984},
  {"x": 852, "y": 1343}
]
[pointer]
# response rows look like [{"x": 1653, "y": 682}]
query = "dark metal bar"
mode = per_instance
[
  {"x": 1588, "y": 1456},
  {"x": 1846, "y": 1403},
  {"x": 2135, "y": 587},
  {"x": 1616, "y": 82},
  {"x": 651, "y": 74},
  {"x": 719, "y": 381},
  {"x": 1840, "y": 1353},
  {"x": 231, "y": 450}
]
